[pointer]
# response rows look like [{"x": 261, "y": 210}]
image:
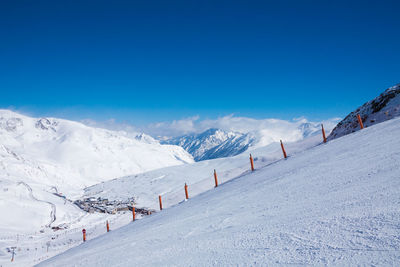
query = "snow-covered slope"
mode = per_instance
[
  {"x": 384, "y": 107},
  {"x": 41, "y": 157},
  {"x": 336, "y": 204},
  {"x": 169, "y": 182},
  {"x": 217, "y": 143},
  {"x": 64, "y": 153}
]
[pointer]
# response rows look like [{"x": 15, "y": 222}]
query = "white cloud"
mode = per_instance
[
  {"x": 112, "y": 124},
  {"x": 269, "y": 128},
  {"x": 173, "y": 128}
]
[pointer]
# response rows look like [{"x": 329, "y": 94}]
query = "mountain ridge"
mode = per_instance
[{"x": 382, "y": 108}]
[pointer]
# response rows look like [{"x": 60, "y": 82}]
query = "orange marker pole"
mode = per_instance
[
  {"x": 360, "y": 121},
  {"x": 84, "y": 235},
  {"x": 13, "y": 253},
  {"x": 186, "y": 191},
  {"x": 323, "y": 133},
  {"x": 215, "y": 178},
  {"x": 159, "y": 200},
  {"x": 133, "y": 213},
  {"x": 108, "y": 226},
  {"x": 283, "y": 150},
  {"x": 251, "y": 163}
]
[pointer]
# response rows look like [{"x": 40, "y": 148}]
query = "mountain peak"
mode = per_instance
[
  {"x": 199, "y": 145},
  {"x": 46, "y": 124},
  {"x": 384, "y": 107}
]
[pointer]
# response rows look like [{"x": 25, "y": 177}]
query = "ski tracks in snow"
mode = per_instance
[{"x": 52, "y": 205}]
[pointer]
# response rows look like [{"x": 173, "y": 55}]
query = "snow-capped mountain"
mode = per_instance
[
  {"x": 43, "y": 156},
  {"x": 201, "y": 145},
  {"x": 384, "y": 107},
  {"x": 146, "y": 138},
  {"x": 70, "y": 153},
  {"x": 217, "y": 143},
  {"x": 232, "y": 146}
]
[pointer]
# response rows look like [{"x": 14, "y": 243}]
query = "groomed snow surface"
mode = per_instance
[{"x": 336, "y": 203}]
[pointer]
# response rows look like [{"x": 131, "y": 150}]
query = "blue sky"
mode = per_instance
[{"x": 147, "y": 61}]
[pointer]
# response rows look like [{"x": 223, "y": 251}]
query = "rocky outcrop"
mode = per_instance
[{"x": 384, "y": 107}]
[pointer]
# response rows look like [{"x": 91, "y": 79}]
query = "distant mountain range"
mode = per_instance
[
  {"x": 216, "y": 143},
  {"x": 212, "y": 143}
]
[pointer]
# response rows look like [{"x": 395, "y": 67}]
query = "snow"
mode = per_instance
[
  {"x": 43, "y": 156},
  {"x": 199, "y": 144},
  {"x": 76, "y": 154},
  {"x": 169, "y": 182},
  {"x": 331, "y": 204}
]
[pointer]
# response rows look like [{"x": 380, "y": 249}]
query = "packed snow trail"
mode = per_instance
[
  {"x": 335, "y": 204},
  {"x": 53, "y": 212}
]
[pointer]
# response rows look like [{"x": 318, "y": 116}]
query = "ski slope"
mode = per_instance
[
  {"x": 199, "y": 176},
  {"x": 336, "y": 203},
  {"x": 144, "y": 187}
]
